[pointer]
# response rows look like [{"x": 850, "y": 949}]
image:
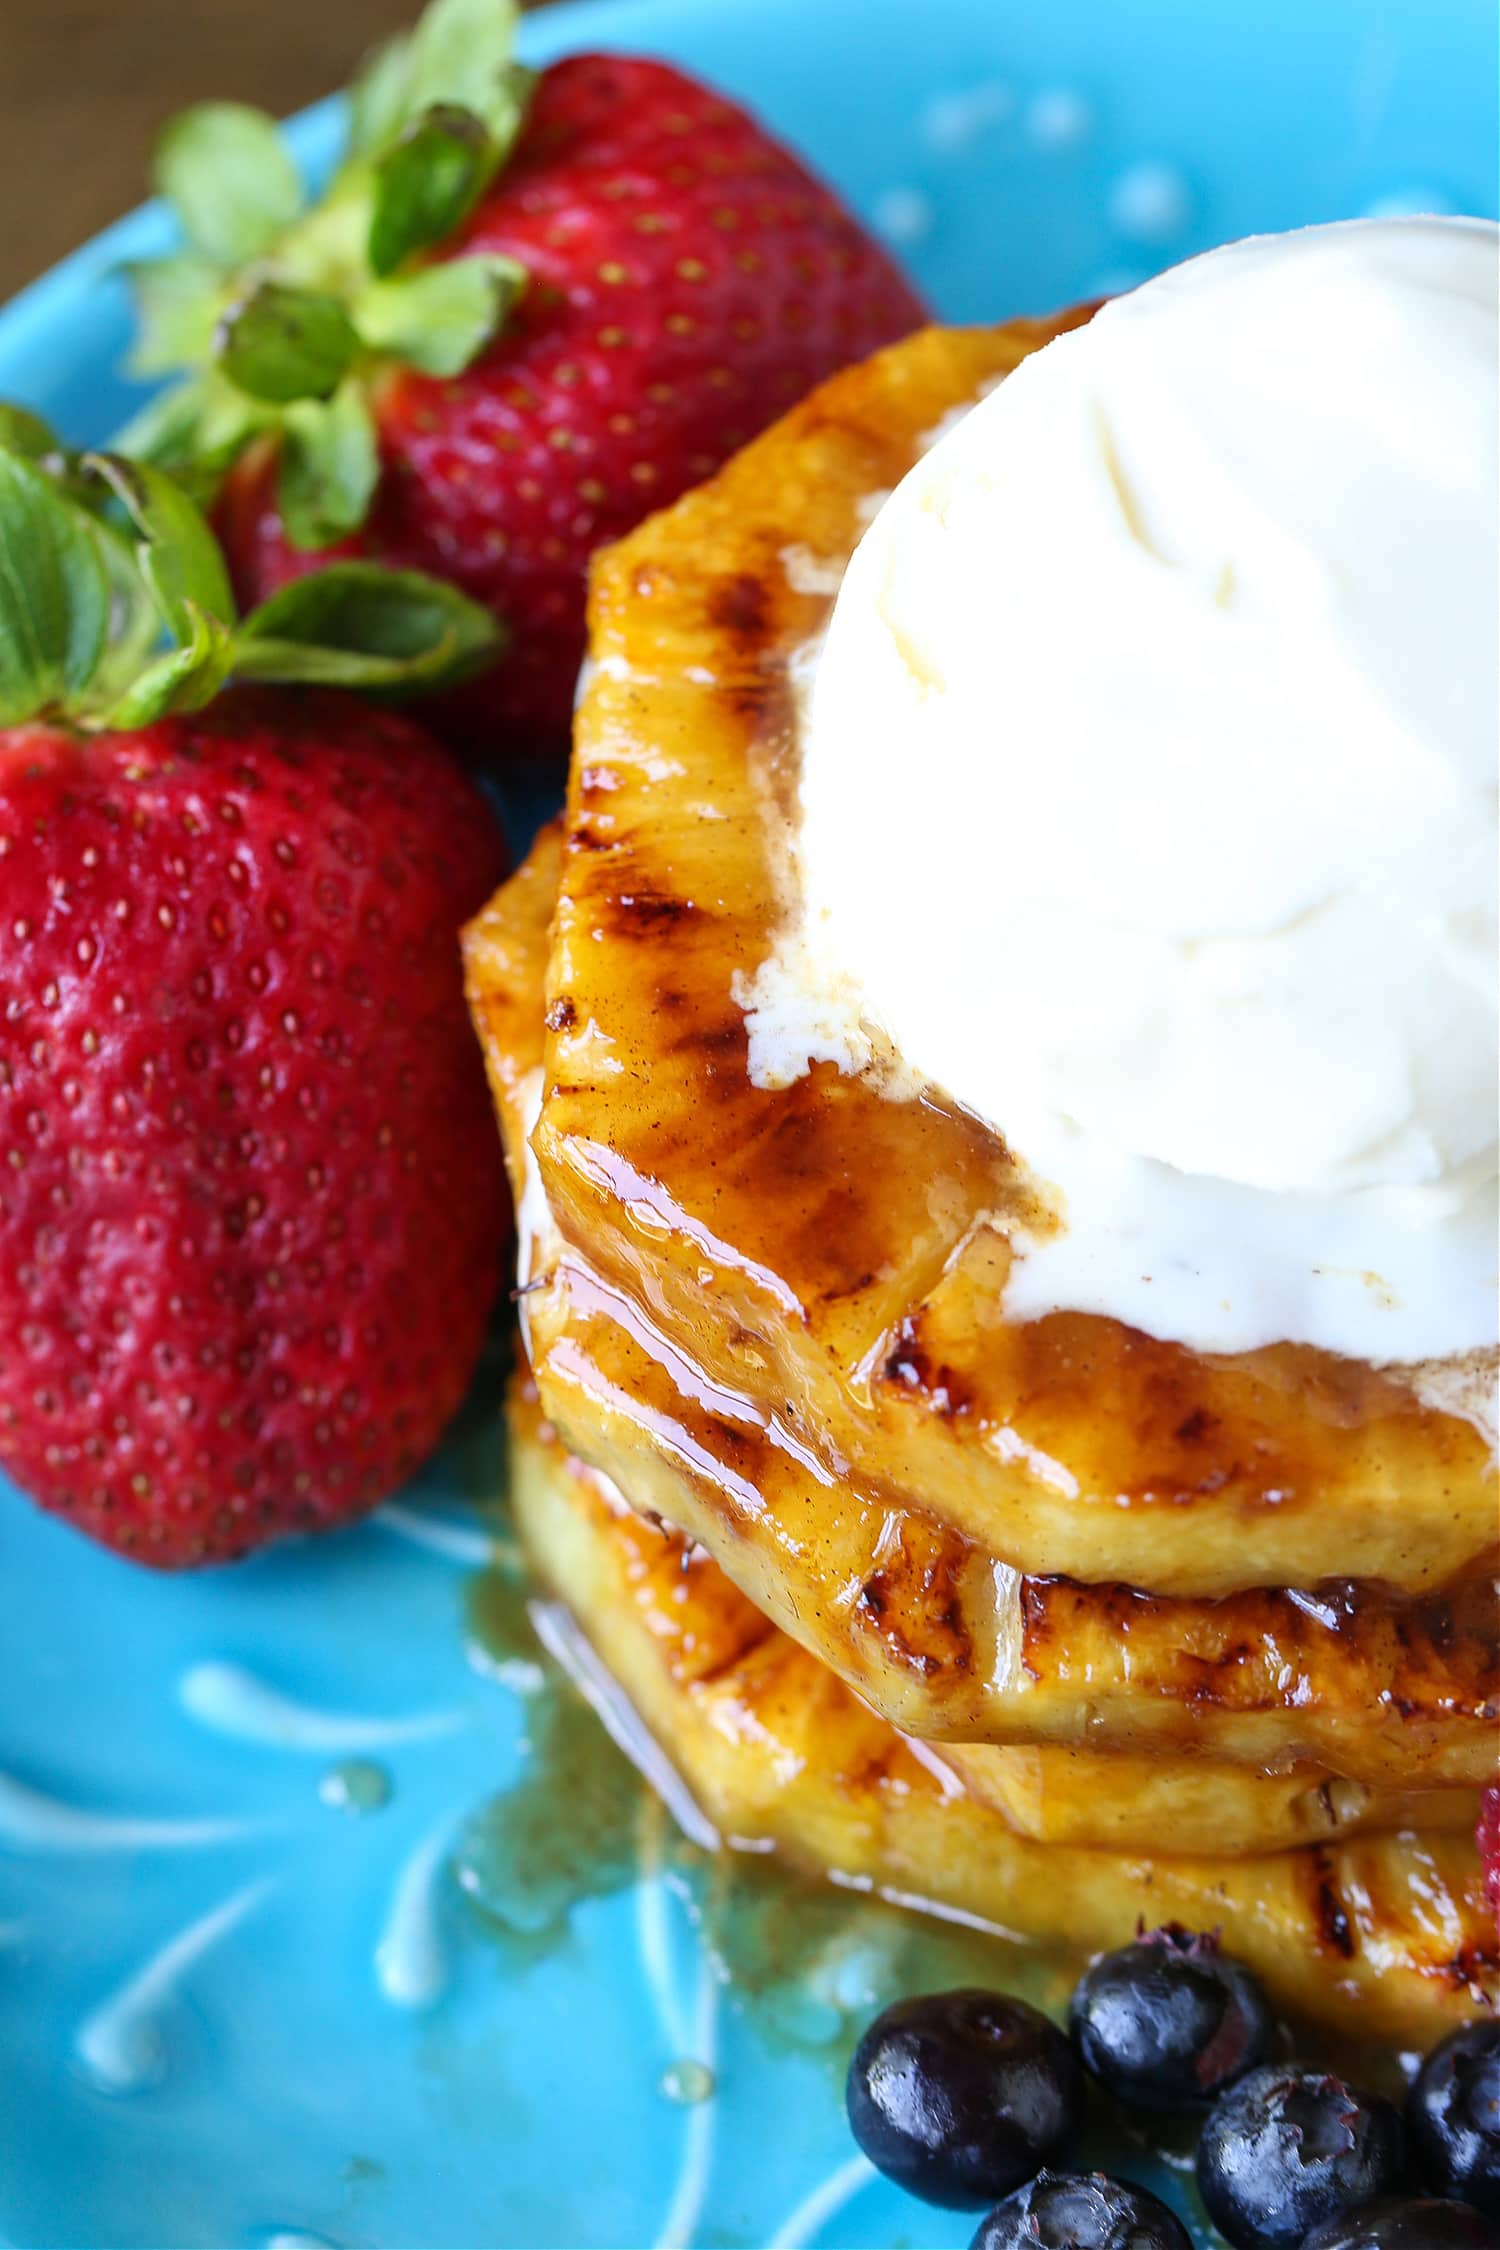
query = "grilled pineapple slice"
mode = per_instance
[
  {"x": 1387, "y": 1937},
  {"x": 1387, "y": 1694},
  {"x": 844, "y": 1254},
  {"x": 1388, "y": 1691},
  {"x": 1128, "y": 1803}
]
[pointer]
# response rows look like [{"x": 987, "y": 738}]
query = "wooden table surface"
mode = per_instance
[{"x": 85, "y": 84}]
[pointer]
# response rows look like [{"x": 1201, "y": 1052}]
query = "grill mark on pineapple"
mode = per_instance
[
  {"x": 879, "y": 459},
  {"x": 740, "y": 1443},
  {"x": 854, "y": 1287},
  {"x": 1471, "y": 1971},
  {"x": 726, "y": 1037},
  {"x": 705, "y": 1628},
  {"x": 864, "y": 1776},
  {"x": 1334, "y": 1929},
  {"x": 1196, "y": 1425},
  {"x": 646, "y": 913},
  {"x": 910, "y": 1367},
  {"x": 740, "y": 606},
  {"x": 757, "y": 704},
  {"x": 830, "y": 1215},
  {"x": 873, "y": 1604},
  {"x": 913, "y": 1603},
  {"x": 756, "y": 1636},
  {"x": 1235, "y": 1663}
]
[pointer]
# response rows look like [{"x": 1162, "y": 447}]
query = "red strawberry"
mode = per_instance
[
  {"x": 251, "y": 1209},
  {"x": 686, "y": 278},
  {"x": 1489, "y": 1845}
]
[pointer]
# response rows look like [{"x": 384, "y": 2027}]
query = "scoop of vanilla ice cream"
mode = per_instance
[{"x": 1148, "y": 791}]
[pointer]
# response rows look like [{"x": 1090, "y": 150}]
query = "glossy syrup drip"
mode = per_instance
[
  {"x": 804, "y": 1960},
  {"x": 355, "y": 1786},
  {"x": 568, "y": 1829},
  {"x": 808, "y": 1962},
  {"x": 687, "y": 2082}
]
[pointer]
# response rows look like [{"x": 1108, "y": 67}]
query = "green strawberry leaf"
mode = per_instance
[
  {"x": 281, "y": 344},
  {"x": 441, "y": 318},
  {"x": 377, "y": 99},
  {"x": 55, "y": 594},
  {"x": 177, "y": 304},
  {"x": 166, "y": 429},
  {"x": 427, "y": 183},
  {"x": 134, "y": 627},
  {"x": 225, "y": 170},
  {"x": 461, "y": 52},
  {"x": 355, "y": 625},
  {"x": 183, "y": 678},
  {"x": 504, "y": 107},
  {"x": 26, "y": 433},
  {"x": 178, "y": 555},
  {"x": 330, "y": 465},
  {"x": 459, "y": 55}
]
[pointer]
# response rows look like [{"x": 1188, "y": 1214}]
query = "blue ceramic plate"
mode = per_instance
[{"x": 327, "y": 1912}]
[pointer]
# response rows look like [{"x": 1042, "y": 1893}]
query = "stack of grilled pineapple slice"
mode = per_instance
[{"x": 1165, "y": 1636}]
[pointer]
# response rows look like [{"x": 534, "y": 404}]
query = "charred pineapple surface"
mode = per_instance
[
  {"x": 842, "y": 1252},
  {"x": 950, "y": 1646},
  {"x": 1384, "y": 1935},
  {"x": 1372, "y": 1694}
]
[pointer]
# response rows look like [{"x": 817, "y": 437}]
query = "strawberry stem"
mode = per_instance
[{"x": 279, "y": 306}]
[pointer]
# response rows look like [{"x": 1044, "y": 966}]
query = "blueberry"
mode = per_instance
[
  {"x": 1395, "y": 2223},
  {"x": 1290, "y": 2146},
  {"x": 1453, "y": 2116},
  {"x": 1170, "y": 2020},
  {"x": 1081, "y": 2211},
  {"x": 960, "y": 2096}
]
